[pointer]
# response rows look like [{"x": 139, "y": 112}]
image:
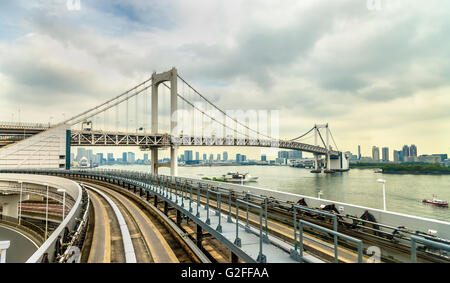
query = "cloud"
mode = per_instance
[{"x": 315, "y": 61}]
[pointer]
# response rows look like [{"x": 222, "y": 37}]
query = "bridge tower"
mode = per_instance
[
  {"x": 327, "y": 146},
  {"x": 169, "y": 76}
]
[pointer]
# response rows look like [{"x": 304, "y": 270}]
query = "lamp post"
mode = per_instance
[
  {"x": 64, "y": 202},
  {"x": 384, "y": 191},
  {"x": 20, "y": 202}
]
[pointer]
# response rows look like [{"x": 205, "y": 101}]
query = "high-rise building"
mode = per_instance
[
  {"x": 225, "y": 156},
  {"x": 197, "y": 155},
  {"x": 204, "y": 156},
  {"x": 188, "y": 155},
  {"x": 283, "y": 154},
  {"x": 359, "y": 152},
  {"x": 124, "y": 158},
  {"x": 218, "y": 157},
  {"x": 238, "y": 157},
  {"x": 81, "y": 152},
  {"x": 295, "y": 154},
  {"x": 211, "y": 157},
  {"x": 385, "y": 154},
  {"x": 145, "y": 157},
  {"x": 413, "y": 150},
  {"x": 263, "y": 157},
  {"x": 375, "y": 153},
  {"x": 396, "y": 156},
  {"x": 243, "y": 158},
  {"x": 131, "y": 157},
  {"x": 405, "y": 152}
]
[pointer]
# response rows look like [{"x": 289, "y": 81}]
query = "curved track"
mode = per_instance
[{"x": 149, "y": 239}]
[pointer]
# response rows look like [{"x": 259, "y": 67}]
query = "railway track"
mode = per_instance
[{"x": 151, "y": 240}]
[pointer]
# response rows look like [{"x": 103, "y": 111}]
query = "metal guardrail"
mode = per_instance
[
  {"x": 261, "y": 257},
  {"x": 333, "y": 216},
  {"x": 415, "y": 240},
  {"x": 302, "y": 223}
]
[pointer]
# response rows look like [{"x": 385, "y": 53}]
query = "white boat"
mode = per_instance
[{"x": 239, "y": 178}]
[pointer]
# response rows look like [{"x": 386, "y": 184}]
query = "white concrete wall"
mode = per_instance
[{"x": 41, "y": 151}]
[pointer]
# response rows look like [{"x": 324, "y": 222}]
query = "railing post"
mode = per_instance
[
  {"x": 301, "y": 238},
  {"x": 208, "y": 221},
  {"x": 237, "y": 241},
  {"x": 176, "y": 190},
  {"x": 413, "y": 251},
  {"x": 182, "y": 195},
  {"x": 247, "y": 226},
  {"x": 229, "y": 207},
  {"x": 190, "y": 197},
  {"x": 219, "y": 227},
  {"x": 261, "y": 257},
  {"x": 198, "y": 201}
]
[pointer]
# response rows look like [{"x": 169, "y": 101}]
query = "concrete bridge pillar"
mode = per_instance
[
  {"x": 172, "y": 77},
  {"x": 10, "y": 205}
]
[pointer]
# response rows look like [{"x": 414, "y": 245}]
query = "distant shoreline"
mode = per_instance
[{"x": 416, "y": 172}]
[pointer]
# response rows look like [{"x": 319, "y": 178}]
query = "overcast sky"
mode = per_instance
[{"x": 377, "y": 76}]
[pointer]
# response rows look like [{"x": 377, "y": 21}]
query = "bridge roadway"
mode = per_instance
[
  {"x": 149, "y": 240},
  {"x": 148, "y": 141}
]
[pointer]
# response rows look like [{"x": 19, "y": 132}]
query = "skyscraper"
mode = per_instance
[
  {"x": 188, "y": 156},
  {"x": 131, "y": 158},
  {"x": 375, "y": 153},
  {"x": 263, "y": 157},
  {"x": 124, "y": 158},
  {"x": 218, "y": 157},
  {"x": 197, "y": 155},
  {"x": 238, "y": 157},
  {"x": 405, "y": 152},
  {"x": 359, "y": 152},
  {"x": 385, "y": 154},
  {"x": 413, "y": 150},
  {"x": 211, "y": 157},
  {"x": 396, "y": 156},
  {"x": 225, "y": 156},
  {"x": 204, "y": 156}
]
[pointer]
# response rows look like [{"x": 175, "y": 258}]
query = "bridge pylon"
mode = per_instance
[{"x": 172, "y": 77}]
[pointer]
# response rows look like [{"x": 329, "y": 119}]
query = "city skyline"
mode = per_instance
[{"x": 84, "y": 62}]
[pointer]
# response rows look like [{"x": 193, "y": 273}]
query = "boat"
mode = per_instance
[
  {"x": 239, "y": 178},
  {"x": 436, "y": 202}
]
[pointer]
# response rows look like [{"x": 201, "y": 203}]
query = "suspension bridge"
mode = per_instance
[{"x": 139, "y": 117}]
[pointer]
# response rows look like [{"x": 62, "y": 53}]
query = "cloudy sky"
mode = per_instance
[{"x": 378, "y": 74}]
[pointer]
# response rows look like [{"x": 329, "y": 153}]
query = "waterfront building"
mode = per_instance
[
  {"x": 124, "y": 157},
  {"x": 211, "y": 157},
  {"x": 204, "y": 156},
  {"x": 359, "y": 152},
  {"x": 405, "y": 152},
  {"x": 81, "y": 152},
  {"x": 238, "y": 157},
  {"x": 197, "y": 155},
  {"x": 218, "y": 157},
  {"x": 413, "y": 150},
  {"x": 263, "y": 157},
  {"x": 188, "y": 155},
  {"x": 295, "y": 154},
  {"x": 283, "y": 154},
  {"x": 396, "y": 156},
  {"x": 375, "y": 154},
  {"x": 385, "y": 154},
  {"x": 225, "y": 156},
  {"x": 131, "y": 157}
]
